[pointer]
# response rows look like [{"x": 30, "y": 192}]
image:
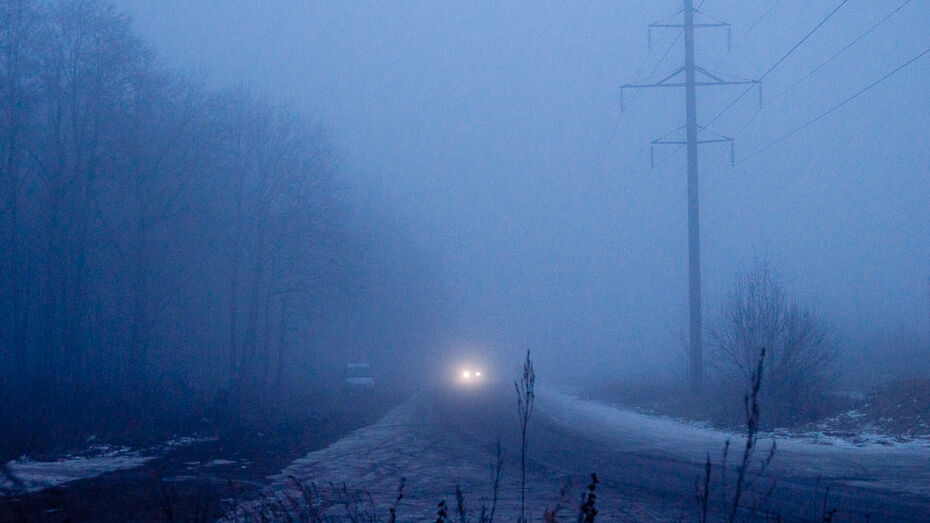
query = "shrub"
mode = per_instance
[{"x": 799, "y": 359}]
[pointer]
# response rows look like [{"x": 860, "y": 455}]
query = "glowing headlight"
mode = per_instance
[{"x": 469, "y": 376}]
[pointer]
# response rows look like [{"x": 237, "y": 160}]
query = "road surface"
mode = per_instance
[{"x": 648, "y": 467}]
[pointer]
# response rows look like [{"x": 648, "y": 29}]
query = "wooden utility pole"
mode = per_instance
[{"x": 691, "y": 83}]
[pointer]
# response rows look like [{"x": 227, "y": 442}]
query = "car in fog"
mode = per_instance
[
  {"x": 359, "y": 377},
  {"x": 470, "y": 376}
]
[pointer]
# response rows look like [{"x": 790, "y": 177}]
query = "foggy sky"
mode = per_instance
[{"x": 486, "y": 127}]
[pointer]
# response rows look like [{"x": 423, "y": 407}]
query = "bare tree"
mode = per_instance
[
  {"x": 799, "y": 357},
  {"x": 19, "y": 31},
  {"x": 159, "y": 150},
  {"x": 162, "y": 244}
]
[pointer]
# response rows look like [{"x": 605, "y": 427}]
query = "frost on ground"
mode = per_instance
[
  {"x": 571, "y": 437},
  {"x": 25, "y": 475}
]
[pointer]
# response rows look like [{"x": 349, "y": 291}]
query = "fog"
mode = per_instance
[
  {"x": 493, "y": 133},
  {"x": 249, "y": 249}
]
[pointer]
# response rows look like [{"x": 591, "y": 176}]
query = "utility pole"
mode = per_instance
[
  {"x": 691, "y": 83},
  {"x": 694, "y": 223}
]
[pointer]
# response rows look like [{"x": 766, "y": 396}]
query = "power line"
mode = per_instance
[
  {"x": 767, "y": 72},
  {"x": 652, "y": 73},
  {"x": 747, "y": 33},
  {"x": 780, "y": 60},
  {"x": 818, "y": 117},
  {"x": 821, "y": 115},
  {"x": 801, "y": 42},
  {"x": 841, "y": 51},
  {"x": 664, "y": 56},
  {"x": 757, "y": 22},
  {"x": 835, "y": 107},
  {"x": 822, "y": 65}
]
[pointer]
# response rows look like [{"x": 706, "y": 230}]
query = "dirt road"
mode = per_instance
[{"x": 648, "y": 467}]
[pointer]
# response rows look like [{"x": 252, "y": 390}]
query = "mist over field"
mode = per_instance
[
  {"x": 488, "y": 130},
  {"x": 256, "y": 227}
]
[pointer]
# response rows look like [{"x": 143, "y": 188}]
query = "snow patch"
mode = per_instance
[
  {"x": 185, "y": 441},
  {"x": 25, "y": 475}
]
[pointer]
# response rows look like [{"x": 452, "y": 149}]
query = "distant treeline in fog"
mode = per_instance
[{"x": 161, "y": 241}]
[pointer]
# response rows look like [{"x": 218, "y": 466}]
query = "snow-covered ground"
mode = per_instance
[
  {"x": 25, "y": 475},
  {"x": 871, "y": 460}
]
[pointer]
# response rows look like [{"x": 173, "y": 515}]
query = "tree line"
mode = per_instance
[{"x": 158, "y": 237}]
